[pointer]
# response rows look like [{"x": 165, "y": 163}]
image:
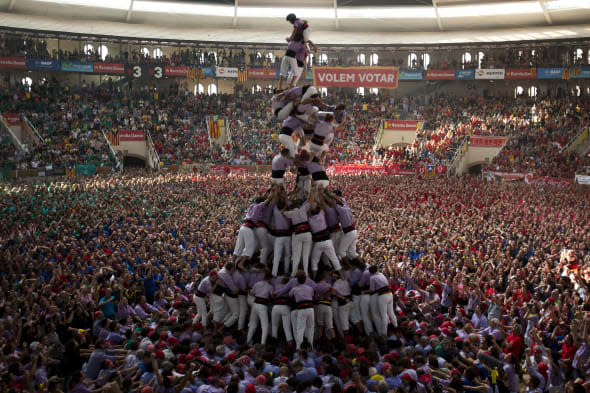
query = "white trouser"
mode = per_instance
[
  {"x": 385, "y": 312},
  {"x": 281, "y": 314},
  {"x": 246, "y": 243},
  {"x": 303, "y": 186},
  {"x": 289, "y": 63},
  {"x": 285, "y": 111},
  {"x": 259, "y": 313},
  {"x": 375, "y": 314},
  {"x": 355, "y": 310},
  {"x": 301, "y": 248},
  {"x": 264, "y": 243},
  {"x": 347, "y": 246},
  {"x": 344, "y": 314},
  {"x": 306, "y": 34},
  {"x": 336, "y": 238},
  {"x": 277, "y": 180},
  {"x": 243, "y": 313},
  {"x": 233, "y": 305},
  {"x": 336, "y": 315},
  {"x": 305, "y": 326},
  {"x": 218, "y": 307},
  {"x": 294, "y": 321},
  {"x": 317, "y": 150},
  {"x": 365, "y": 307},
  {"x": 296, "y": 75},
  {"x": 320, "y": 248},
  {"x": 201, "y": 310},
  {"x": 322, "y": 183},
  {"x": 282, "y": 249},
  {"x": 324, "y": 316},
  {"x": 287, "y": 141}
]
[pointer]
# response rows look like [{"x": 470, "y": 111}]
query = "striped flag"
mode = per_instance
[
  {"x": 214, "y": 131},
  {"x": 429, "y": 172},
  {"x": 242, "y": 74},
  {"x": 114, "y": 137},
  {"x": 71, "y": 170}
]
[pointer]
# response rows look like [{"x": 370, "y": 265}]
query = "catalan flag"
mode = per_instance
[
  {"x": 71, "y": 170},
  {"x": 195, "y": 73},
  {"x": 114, "y": 137},
  {"x": 242, "y": 74},
  {"x": 214, "y": 131},
  {"x": 429, "y": 172}
]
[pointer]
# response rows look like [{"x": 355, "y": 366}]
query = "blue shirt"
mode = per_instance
[
  {"x": 108, "y": 309},
  {"x": 306, "y": 375}
]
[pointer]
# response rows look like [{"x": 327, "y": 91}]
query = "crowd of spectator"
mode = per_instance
[
  {"x": 72, "y": 122},
  {"x": 549, "y": 56},
  {"x": 496, "y": 307}
]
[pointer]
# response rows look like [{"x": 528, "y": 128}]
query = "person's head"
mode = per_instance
[
  {"x": 329, "y": 118},
  {"x": 373, "y": 269},
  {"x": 301, "y": 277},
  {"x": 538, "y": 353},
  {"x": 213, "y": 276},
  {"x": 291, "y": 18},
  {"x": 285, "y": 152},
  {"x": 267, "y": 275}
]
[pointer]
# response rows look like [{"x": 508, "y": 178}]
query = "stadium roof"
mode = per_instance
[{"x": 340, "y": 22}]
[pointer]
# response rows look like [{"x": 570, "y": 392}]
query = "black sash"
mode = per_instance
[
  {"x": 277, "y": 173},
  {"x": 320, "y": 236},
  {"x": 321, "y": 175},
  {"x": 348, "y": 229}
]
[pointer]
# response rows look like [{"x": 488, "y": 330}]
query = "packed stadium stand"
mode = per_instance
[{"x": 322, "y": 196}]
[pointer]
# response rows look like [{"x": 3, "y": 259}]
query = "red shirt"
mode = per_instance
[
  {"x": 516, "y": 342},
  {"x": 567, "y": 352}
]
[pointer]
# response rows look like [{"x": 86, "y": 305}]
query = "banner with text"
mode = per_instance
[
  {"x": 176, "y": 71},
  {"x": 109, "y": 68},
  {"x": 13, "y": 62},
  {"x": 486, "y": 141},
  {"x": 465, "y": 74},
  {"x": 225, "y": 169},
  {"x": 410, "y": 75},
  {"x": 440, "y": 74},
  {"x": 356, "y": 168},
  {"x": 85, "y": 169},
  {"x": 367, "y": 77},
  {"x": 580, "y": 72},
  {"x": 76, "y": 66},
  {"x": 400, "y": 125},
  {"x": 131, "y": 136},
  {"x": 262, "y": 73},
  {"x": 507, "y": 175},
  {"x": 226, "y": 72},
  {"x": 489, "y": 73},
  {"x": 582, "y": 179},
  {"x": 521, "y": 73},
  {"x": 40, "y": 64},
  {"x": 351, "y": 169},
  {"x": 549, "y": 73},
  {"x": 12, "y": 119},
  {"x": 547, "y": 181}
]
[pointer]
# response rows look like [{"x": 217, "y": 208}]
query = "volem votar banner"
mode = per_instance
[{"x": 367, "y": 77}]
